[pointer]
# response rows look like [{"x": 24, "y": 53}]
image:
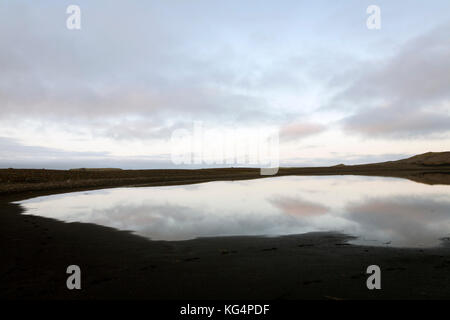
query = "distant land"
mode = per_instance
[
  {"x": 427, "y": 159},
  {"x": 429, "y": 168},
  {"x": 121, "y": 265}
]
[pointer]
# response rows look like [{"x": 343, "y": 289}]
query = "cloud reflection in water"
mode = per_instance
[{"x": 386, "y": 210}]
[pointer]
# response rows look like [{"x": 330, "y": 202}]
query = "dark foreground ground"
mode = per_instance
[{"x": 36, "y": 251}]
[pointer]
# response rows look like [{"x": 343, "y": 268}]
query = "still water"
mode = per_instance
[{"x": 378, "y": 211}]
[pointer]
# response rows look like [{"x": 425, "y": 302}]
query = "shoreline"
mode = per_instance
[
  {"x": 28, "y": 181},
  {"x": 120, "y": 265}
]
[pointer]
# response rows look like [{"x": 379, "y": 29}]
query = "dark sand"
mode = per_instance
[
  {"x": 36, "y": 251},
  {"x": 115, "y": 264}
]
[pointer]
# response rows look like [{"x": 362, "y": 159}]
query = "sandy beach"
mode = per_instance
[{"x": 120, "y": 265}]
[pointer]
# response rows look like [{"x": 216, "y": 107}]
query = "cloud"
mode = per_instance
[
  {"x": 139, "y": 129},
  {"x": 406, "y": 95},
  {"x": 298, "y": 130},
  {"x": 392, "y": 122},
  {"x": 150, "y": 64},
  {"x": 299, "y": 207},
  {"x": 136, "y": 72},
  {"x": 48, "y": 71},
  {"x": 17, "y": 155},
  {"x": 12, "y": 149}
]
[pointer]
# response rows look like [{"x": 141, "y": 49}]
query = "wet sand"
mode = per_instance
[
  {"x": 36, "y": 251},
  {"x": 119, "y": 265}
]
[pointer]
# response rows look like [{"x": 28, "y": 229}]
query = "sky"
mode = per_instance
[{"x": 113, "y": 93}]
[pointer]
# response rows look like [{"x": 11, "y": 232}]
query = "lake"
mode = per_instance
[{"x": 377, "y": 211}]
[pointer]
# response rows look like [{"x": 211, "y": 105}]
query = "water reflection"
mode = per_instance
[
  {"x": 379, "y": 211},
  {"x": 403, "y": 220},
  {"x": 299, "y": 207}
]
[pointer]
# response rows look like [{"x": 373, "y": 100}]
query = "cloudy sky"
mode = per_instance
[{"x": 113, "y": 92}]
